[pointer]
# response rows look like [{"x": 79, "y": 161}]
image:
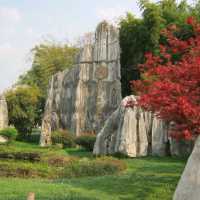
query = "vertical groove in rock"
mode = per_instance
[
  {"x": 148, "y": 118},
  {"x": 138, "y": 132}
]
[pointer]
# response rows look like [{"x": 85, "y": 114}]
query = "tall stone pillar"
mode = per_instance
[
  {"x": 3, "y": 112},
  {"x": 81, "y": 99}
]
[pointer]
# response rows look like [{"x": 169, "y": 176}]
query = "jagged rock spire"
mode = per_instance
[{"x": 80, "y": 99}]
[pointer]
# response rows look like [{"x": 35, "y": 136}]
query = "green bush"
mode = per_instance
[
  {"x": 98, "y": 167},
  {"x": 61, "y": 161},
  {"x": 34, "y": 137},
  {"x": 28, "y": 156},
  {"x": 10, "y": 133},
  {"x": 86, "y": 141},
  {"x": 63, "y": 137}
]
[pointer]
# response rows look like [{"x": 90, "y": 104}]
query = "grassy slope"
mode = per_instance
[{"x": 146, "y": 179}]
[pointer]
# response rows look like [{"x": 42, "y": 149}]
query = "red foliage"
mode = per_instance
[{"x": 171, "y": 87}]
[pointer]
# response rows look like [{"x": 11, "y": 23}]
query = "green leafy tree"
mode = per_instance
[
  {"x": 139, "y": 35},
  {"x": 48, "y": 59},
  {"x": 22, "y": 108}
]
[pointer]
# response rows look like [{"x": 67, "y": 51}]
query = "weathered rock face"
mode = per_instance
[
  {"x": 3, "y": 112},
  {"x": 129, "y": 131},
  {"x": 132, "y": 132},
  {"x": 82, "y": 98},
  {"x": 189, "y": 185},
  {"x": 3, "y": 140},
  {"x": 183, "y": 148},
  {"x": 159, "y": 137},
  {"x": 121, "y": 134},
  {"x": 179, "y": 147}
]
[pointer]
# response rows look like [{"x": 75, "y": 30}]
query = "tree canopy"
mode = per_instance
[
  {"x": 139, "y": 35},
  {"x": 26, "y": 103},
  {"x": 48, "y": 59},
  {"x": 170, "y": 86},
  {"x": 23, "y": 108}
]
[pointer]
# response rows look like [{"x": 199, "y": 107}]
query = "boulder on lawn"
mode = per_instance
[
  {"x": 132, "y": 132},
  {"x": 189, "y": 185}
]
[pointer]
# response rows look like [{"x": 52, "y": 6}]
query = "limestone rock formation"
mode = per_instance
[
  {"x": 189, "y": 185},
  {"x": 80, "y": 99},
  {"x": 159, "y": 137},
  {"x": 179, "y": 147},
  {"x": 133, "y": 132},
  {"x": 3, "y": 112},
  {"x": 3, "y": 140}
]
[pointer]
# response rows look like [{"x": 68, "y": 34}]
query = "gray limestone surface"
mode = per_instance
[
  {"x": 3, "y": 112},
  {"x": 127, "y": 131},
  {"x": 3, "y": 140},
  {"x": 133, "y": 132},
  {"x": 81, "y": 99}
]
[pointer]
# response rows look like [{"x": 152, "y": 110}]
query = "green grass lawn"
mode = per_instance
[{"x": 145, "y": 179}]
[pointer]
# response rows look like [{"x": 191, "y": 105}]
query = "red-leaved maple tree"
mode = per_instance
[{"x": 170, "y": 86}]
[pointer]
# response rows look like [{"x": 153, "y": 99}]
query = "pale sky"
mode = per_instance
[{"x": 25, "y": 23}]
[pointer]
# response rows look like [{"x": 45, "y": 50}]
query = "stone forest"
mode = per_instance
[{"x": 114, "y": 118}]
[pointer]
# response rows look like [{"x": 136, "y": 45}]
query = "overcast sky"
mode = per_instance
[{"x": 25, "y": 23}]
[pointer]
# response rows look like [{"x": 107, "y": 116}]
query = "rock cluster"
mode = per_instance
[
  {"x": 3, "y": 112},
  {"x": 82, "y": 98},
  {"x": 133, "y": 132}
]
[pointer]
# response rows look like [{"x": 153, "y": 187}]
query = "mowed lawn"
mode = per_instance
[{"x": 145, "y": 179}]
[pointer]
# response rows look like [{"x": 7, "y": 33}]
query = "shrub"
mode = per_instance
[
  {"x": 34, "y": 137},
  {"x": 33, "y": 157},
  {"x": 26, "y": 170},
  {"x": 10, "y": 133},
  {"x": 7, "y": 171},
  {"x": 98, "y": 167},
  {"x": 23, "y": 108},
  {"x": 61, "y": 161},
  {"x": 63, "y": 137},
  {"x": 86, "y": 141}
]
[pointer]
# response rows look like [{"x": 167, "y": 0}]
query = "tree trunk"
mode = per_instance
[{"x": 31, "y": 196}]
